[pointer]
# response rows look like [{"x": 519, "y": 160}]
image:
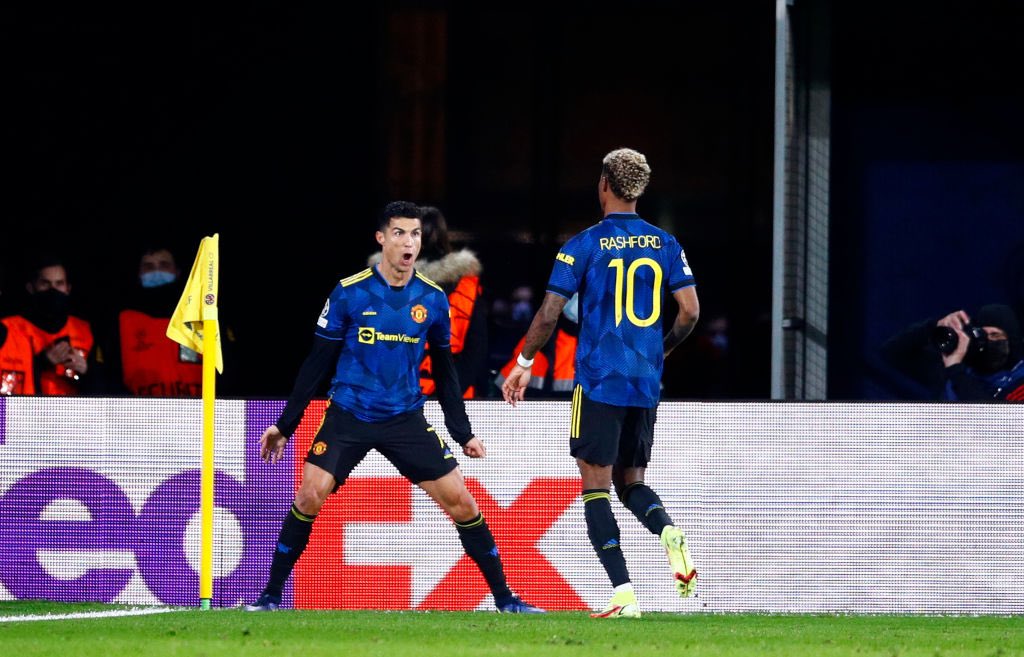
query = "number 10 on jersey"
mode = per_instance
[{"x": 621, "y": 272}]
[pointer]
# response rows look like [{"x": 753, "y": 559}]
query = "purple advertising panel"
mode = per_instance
[{"x": 119, "y": 522}]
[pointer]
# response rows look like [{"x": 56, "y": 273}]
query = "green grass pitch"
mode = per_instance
[{"x": 229, "y": 632}]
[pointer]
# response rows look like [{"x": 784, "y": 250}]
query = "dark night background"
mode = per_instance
[{"x": 125, "y": 127}]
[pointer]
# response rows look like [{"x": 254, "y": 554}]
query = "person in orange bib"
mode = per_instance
[
  {"x": 141, "y": 359},
  {"x": 47, "y": 350},
  {"x": 554, "y": 369}
]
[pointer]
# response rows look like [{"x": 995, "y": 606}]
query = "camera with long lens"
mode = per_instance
[{"x": 946, "y": 339}]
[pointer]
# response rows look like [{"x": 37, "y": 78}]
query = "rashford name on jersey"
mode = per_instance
[{"x": 630, "y": 242}]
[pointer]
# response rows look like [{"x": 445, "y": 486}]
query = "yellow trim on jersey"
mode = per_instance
[
  {"x": 577, "y": 404},
  {"x": 428, "y": 281},
  {"x": 590, "y": 497},
  {"x": 355, "y": 278}
]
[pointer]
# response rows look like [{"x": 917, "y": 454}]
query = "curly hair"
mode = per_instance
[{"x": 627, "y": 173}]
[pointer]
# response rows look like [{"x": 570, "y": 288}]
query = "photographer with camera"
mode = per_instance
[{"x": 960, "y": 358}]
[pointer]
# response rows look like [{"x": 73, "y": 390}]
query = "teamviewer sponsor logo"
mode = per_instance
[{"x": 367, "y": 335}]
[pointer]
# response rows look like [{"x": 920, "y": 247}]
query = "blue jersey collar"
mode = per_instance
[{"x": 622, "y": 215}]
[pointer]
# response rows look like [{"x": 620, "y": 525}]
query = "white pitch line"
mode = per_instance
[{"x": 88, "y": 614}]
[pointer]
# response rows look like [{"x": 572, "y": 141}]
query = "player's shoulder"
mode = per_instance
[
  {"x": 584, "y": 239},
  {"x": 356, "y": 279},
  {"x": 590, "y": 232},
  {"x": 645, "y": 226},
  {"x": 428, "y": 282},
  {"x": 431, "y": 291},
  {"x": 664, "y": 236}
]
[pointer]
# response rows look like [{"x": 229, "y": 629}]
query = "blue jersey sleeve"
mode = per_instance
[
  {"x": 570, "y": 266},
  {"x": 333, "y": 320},
  {"x": 440, "y": 332},
  {"x": 679, "y": 273}
]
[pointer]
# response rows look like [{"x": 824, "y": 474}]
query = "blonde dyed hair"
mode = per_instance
[{"x": 627, "y": 173}]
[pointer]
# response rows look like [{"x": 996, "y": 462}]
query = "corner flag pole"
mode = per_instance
[
  {"x": 195, "y": 325},
  {"x": 210, "y": 334}
]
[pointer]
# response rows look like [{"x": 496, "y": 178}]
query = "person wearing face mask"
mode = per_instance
[
  {"x": 47, "y": 350},
  {"x": 142, "y": 361},
  {"x": 961, "y": 367}
]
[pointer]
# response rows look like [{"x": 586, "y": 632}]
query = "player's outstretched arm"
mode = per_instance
[
  {"x": 543, "y": 325},
  {"x": 272, "y": 444}
]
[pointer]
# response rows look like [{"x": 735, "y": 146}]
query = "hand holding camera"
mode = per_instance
[{"x": 955, "y": 337}]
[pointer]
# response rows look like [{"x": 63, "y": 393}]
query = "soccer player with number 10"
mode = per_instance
[{"x": 620, "y": 268}]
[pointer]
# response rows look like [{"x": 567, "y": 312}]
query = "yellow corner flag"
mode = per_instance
[
  {"x": 194, "y": 324},
  {"x": 198, "y": 302}
]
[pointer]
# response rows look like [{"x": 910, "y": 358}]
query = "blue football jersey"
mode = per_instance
[
  {"x": 620, "y": 268},
  {"x": 385, "y": 331}
]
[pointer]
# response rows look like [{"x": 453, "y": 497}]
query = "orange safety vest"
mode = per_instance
[
  {"x": 56, "y": 381},
  {"x": 564, "y": 372},
  {"x": 461, "y": 302},
  {"x": 152, "y": 364},
  {"x": 16, "y": 364}
]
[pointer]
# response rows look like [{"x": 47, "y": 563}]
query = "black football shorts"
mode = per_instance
[
  {"x": 406, "y": 440},
  {"x": 610, "y": 435}
]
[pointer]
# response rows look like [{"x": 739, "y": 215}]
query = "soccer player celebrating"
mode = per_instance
[
  {"x": 619, "y": 267},
  {"x": 371, "y": 336}
]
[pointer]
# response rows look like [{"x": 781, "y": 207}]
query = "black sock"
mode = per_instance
[
  {"x": 646, "y": 506},
  {"x": 604, "y": 534},
  {"x": 291, "y": 542},
  {"x": 479, "y": 544}
]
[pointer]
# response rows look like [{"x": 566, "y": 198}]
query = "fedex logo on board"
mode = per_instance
[{"x": 154, "y": 539}]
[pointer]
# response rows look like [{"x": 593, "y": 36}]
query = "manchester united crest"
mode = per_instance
[
  {"x": 419, "y": 313},
  {"x": 319, "y": 447}
]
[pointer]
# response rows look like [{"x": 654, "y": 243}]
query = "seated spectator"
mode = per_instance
[
  {"x": 960, "y": 358},
  {"x": 47, "y": 351},
  {"x": 15, "y": 363}
]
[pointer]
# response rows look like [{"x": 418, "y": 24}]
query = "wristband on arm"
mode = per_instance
[{"x": 525, "y": 363}]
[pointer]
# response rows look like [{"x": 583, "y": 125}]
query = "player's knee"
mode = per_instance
[
  {"x": 308, "y": 500},
  {"x": 461, "y": 506}
]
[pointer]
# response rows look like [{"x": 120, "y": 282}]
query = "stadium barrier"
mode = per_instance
[{"x": 799, "y": 507}]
